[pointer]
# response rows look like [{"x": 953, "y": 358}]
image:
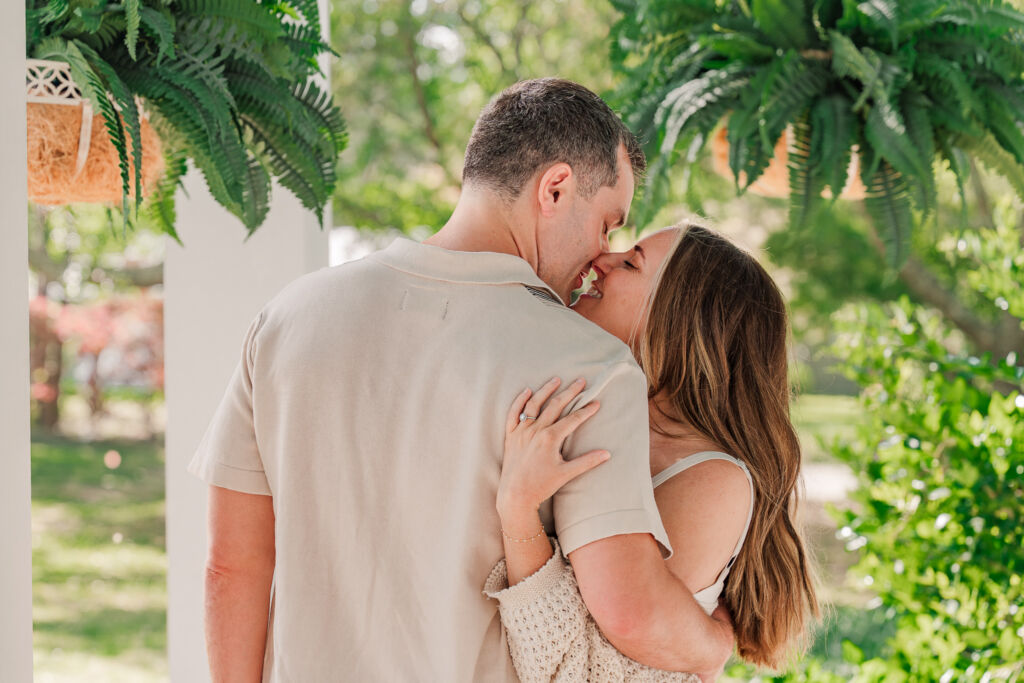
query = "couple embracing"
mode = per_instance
[{"x": 428, "y": 467}]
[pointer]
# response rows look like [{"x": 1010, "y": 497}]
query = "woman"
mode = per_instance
[{"x": 709, "y": 328}]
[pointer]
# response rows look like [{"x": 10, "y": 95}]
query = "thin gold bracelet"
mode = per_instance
[{"x": 542, "y": 532}]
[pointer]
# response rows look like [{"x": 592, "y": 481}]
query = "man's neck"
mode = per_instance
[{"x": 481, "y": 222}]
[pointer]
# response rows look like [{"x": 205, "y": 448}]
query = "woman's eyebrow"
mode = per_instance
[{"x": 639, "y": 251}]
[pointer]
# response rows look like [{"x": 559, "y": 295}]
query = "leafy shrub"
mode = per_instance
[{"x": 938, "y": 518}]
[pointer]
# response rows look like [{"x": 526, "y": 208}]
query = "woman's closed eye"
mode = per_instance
[{"x": 629, "y": 264}]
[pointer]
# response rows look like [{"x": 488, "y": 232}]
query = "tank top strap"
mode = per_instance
[{"x": 696, "y": 459}]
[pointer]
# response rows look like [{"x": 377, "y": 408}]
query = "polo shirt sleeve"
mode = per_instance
[
  {"x": 228, "y": 455},
  {"x": 616, "y": 497}
]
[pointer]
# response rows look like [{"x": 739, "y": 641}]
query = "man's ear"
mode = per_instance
[{"x": 555, "y": 185}]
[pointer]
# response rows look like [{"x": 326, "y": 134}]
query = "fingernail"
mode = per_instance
[{"x": 580, "y": 381}]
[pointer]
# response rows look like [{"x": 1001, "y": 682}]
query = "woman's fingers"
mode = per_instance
[
  {"x": 564, "y": 428},
  {"x": 540, "y": 397},
  {"x": 559, "y": 401},
  {"x": 516, "y": 410},
  {"x": 586, "y": 462}
]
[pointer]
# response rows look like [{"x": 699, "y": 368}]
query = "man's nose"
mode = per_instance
[{"x": 605, "y": 262}]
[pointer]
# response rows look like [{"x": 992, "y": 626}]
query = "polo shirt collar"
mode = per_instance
[{"x": 479, "y": 267}]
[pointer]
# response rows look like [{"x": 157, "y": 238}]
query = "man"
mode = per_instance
[{"x": 355, "y": 458}]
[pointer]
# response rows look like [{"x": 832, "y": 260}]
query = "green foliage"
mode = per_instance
[
  {"x": 905, "y": 81},
  {"x": 938, "y": 519},
  {"x": 230, "y": 85},
  {"x": 413, "y": 77}
]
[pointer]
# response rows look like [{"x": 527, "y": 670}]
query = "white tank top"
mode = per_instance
[{"x": 708, "y": 597}]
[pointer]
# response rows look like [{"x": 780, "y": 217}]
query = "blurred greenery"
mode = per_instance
[
  {"x": 936, "y": 521},
  {"x": 99, "y": 562},
  {"x": 821, "y": 419},
  {"x": 413, "y": 76}
]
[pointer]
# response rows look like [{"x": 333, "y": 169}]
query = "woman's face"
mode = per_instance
[{"x": 618, "y": 296}]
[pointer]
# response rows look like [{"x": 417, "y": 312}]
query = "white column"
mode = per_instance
[
  {"x": 15, "y": 461},
  {"x": 213, "y": 287}
]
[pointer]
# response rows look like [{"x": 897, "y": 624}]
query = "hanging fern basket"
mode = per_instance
[
  {"x": 70, "y": 155},
  {"x": 775, "y": 180}
]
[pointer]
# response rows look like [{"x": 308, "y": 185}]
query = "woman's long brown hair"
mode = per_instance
[{"x": 714, "y": 351}]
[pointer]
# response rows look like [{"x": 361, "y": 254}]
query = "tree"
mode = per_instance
[
  {"x": 93, "y": 297},
  {"x": 412, "y": 78}
]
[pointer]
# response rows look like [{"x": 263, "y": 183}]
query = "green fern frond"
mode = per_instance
[
  {"x": 805, "y": 181},
  {"x": 256, "y": 193},
  {"x": 990, "y": 17},
  {"x": 784, "y": 93},
  {"x": 961, "y": 168},
  {"x": 884, "y": 16},
  {"x": 738, "y": 46},
  {"x": 305, "y": 42},
  {"x": 320, "y": 106},
  {"x": 129, "y": 113},
  {"x": 107, "y": 31},
  {"x": 915, "y": 107},
  {"x": 254, "y": 19},
  {"x": 208, "y": 128},
  {"x": 864, "y": 65},
  {"x": 945, "y": 79},
  {"x": 1004, "y": 123},
  {"x": 679, "y": 106},
  {"x": 886, "y": 131},
  {"x": 888, "y": 204},
  {"x": 799, "y": 82},
  {"x": 161, "y": 25},
  {"x": 284, "y": 155},
  {"x": 55, "y": 10},
  {"x": 833, "y": 133},
  {"x": 783, "y": 22},
  {"x": 309, "y": 9},
  {"x": 975, "y": 51},
  {"x": 132, "y": 20},
  {"x": 305, "y": 111},
  {"x": 159, "y": 206},
  {"x": 994, "y": 157}
]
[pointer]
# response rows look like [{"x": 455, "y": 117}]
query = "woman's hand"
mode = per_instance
[{"x": 533, "y": 468}]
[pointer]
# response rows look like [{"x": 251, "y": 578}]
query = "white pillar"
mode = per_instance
[
  {"x": 15, "y": 460},
  {"x": 213, "y": 288}
]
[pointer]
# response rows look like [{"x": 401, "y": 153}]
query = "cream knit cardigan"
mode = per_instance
[{"x": 552, "y": 636}]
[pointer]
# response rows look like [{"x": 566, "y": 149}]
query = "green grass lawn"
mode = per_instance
[
  {"x": 820, "y": 419},
  {"x": 99, "y": 562}
]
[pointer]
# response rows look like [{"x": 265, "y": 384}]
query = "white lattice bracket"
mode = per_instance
[{"x": 50, "y": 82}]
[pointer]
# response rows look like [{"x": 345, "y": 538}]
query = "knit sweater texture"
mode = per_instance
[{"x": 553, "y": 638}]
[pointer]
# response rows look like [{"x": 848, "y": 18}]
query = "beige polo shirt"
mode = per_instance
[{"x": 370, "y": 402}]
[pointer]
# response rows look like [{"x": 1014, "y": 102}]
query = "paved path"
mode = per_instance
[{"x": 828, "y": 482}]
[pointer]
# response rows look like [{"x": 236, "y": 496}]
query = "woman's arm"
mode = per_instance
[
  {"x": 540, "y": 602},
  {"x": 533, "y": 469}
]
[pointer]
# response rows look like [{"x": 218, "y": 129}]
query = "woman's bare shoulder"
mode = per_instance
[{"x": 704, "y": 509}]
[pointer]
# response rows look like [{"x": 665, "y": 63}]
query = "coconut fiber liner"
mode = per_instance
[{"x": 53, "y": 135}]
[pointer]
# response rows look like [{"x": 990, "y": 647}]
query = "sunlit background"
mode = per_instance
[{"x": 410, "y": 79}]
